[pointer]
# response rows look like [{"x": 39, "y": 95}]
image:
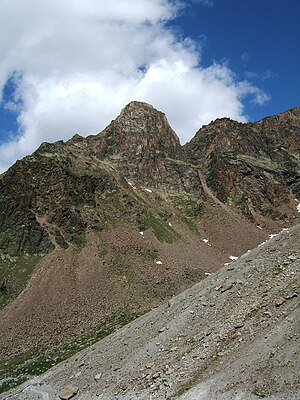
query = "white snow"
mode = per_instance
[
  {"x": 158, "y": 262},
  {"x": 273, "y": 235},
  {"x": 206, "y": 241},
  {"x": 259, "y": 227},
  {"x": 142, "y": 233},
  {"x": 262, "y": 243},
  {"x": 129, "y": 183},
  {"x": 170, "y": 224},
  {"x": 233, "y": 258},
  {"x": 207, "y": 273},
  {"x": 148, "y": 190},
  {"x": 298, "y": 208}
]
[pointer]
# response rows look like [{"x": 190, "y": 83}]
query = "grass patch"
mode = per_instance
[
  {"x": 19, "y": 369},
  {"x": 163, "y": 232},
  {"x": 237, "y": 200},
  {"x": 14, "y": 274},
  {"x": 251, "y": 314},
  {"x": 102, "y": 251},
  {"x": 190, "y": 208},
  {"x": 149, "y": 255},
  {"x": 119, "y": 268},
  {"x": 261, "y": 162},
  {"x": 117, "y": 206},
  {"x": 269, "y": 212}
]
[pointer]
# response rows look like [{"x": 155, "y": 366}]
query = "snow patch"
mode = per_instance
[
  {"x": 158, "y": 262},
  {"x": 206, "y": 242},
  {"x": 142, "y": 233},
  {"x": 262, "y": 243},
  {"x": 129, "y": 183},
  {"x": 273, "y": 235},
  {"x": 207, "y": 273},
  {"x": 148, "y": 190},
  {"x": 170, "y": 224},
  {"x": 298, "y": 208},
  {"x": 233, "y": 258},
  {"x": 259, "y": 227}
]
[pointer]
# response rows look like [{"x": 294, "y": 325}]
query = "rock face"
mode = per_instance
[
  {"x": 141, "y": 144},
  {"x": 254, "y": 167},
  {"x": 139, "y": 133},
  {"x": 101, "y": 229}
]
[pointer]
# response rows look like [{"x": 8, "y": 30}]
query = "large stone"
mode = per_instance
[{"x": 68, "y": 392}]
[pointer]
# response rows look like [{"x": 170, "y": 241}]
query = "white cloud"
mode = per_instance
[{"x": 80, "y": 62}]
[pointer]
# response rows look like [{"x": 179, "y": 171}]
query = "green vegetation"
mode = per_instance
[
  {"x": 14, "y": 274},
  {"x": 269, "y": 212},
  {"x": 119, "y": 268},
  {"x": 261, "y": 162},
  {"x": 237, "y": 200},
  {"x": 149, "y": 255},
  {"x": 19, "y": 369},
  {"x": 189, "y": 205},
  {"x": 77, "y": 239},
  {"x": 240, "y": 201},
  {"x": 118, "y": 205},
  {"x": 102, "y": 251},
  {"x": 190, "y": 208},
  {"x": 162, "y": 231},
  {"x": 251, "y": 314}
]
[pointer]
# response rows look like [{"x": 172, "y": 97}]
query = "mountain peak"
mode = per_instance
[
  {"x": 138, "y": 106},
  {"x": 139, "y": 132}
]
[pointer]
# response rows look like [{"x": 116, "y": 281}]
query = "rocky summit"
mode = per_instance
[{"x": 96, "y": 231}]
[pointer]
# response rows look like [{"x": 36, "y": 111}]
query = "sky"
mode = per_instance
[{"x": 70, "y": 66}]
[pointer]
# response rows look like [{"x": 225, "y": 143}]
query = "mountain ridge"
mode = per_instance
[{"x": 99, "y": 229}]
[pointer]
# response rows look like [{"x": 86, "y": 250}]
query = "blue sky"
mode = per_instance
[
  {"x": 68, "y": 67},
  {"x": 258, "y": 39}
]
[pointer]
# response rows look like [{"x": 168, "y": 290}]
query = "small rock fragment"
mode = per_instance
[
  {"x": 97, "y": 377},
  {"x": 68, "y": 392},
  {"x": 237, "y": 326},
  {"x": 149, "y": 365},
  {"x": 291, "y": 296},
  {"x": 236, "y": 335},
  {"x": 226, "y": 286},
  {"x": 279, "y": 301}
]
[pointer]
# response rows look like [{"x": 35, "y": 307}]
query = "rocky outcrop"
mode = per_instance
[{"x": 254, "y": 167}]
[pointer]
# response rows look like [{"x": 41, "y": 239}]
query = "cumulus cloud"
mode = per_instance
[{"x": 78, "y": 63}]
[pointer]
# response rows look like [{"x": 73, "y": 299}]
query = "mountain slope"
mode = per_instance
[
  {"x": 98, "y": 230},
  {"x": 234, "y": 335}
]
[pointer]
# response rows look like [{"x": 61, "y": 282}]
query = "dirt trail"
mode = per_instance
[
  {"x": 234, "y": 335},
  {"x": 210, "y": 194}
]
